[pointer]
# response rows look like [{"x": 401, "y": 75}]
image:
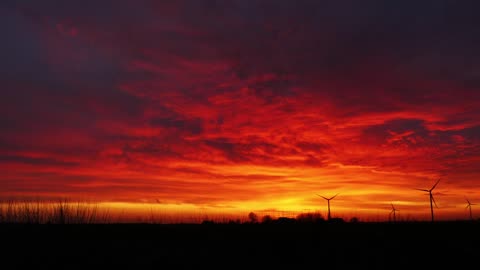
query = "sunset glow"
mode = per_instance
[{"x": 193, "y": 109}]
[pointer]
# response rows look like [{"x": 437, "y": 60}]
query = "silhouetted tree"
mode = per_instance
[
  {"x": 354, "y": 220},
  {"x": 267, "y": 219},
  {"x": 253, "y": 217}
]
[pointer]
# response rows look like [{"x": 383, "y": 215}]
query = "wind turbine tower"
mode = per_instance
[
  {"x": 432, "y": 200},
  {"x": 328, "y": 201},
  {"x": 393, "y": 212},
  {"x": 469, "y": 206}
]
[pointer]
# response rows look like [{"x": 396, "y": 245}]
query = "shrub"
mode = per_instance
[
  {"x": 252, "y": 217},
  {"x": 267, "y": 219}
]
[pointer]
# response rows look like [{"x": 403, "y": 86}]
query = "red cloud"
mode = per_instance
[{"x": 235, "y": 105}]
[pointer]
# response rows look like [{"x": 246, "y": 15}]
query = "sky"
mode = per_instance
[{"x": 237, "y": 106}]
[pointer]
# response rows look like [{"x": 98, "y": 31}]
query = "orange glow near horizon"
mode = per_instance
[
  {"x": 234, "y": 197},
  {"x": 165, "y": 107}
]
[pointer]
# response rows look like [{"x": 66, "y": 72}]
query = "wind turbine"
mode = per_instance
[
  {"x": 469, "y": 205},
  {"x": 393, "y": 212},
  {"x": 431, "y": 196},
  {"x": 328, "y": 200}
]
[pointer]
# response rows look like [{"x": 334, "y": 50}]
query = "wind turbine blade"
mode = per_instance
[
  {"x": 322, "y": 197},
  {"x": 435, "y": 185},
  {"x": 392, "y": 206},
  {"x": 334, "y": 196},
  {"x": 468, "y": 205},
  {"x": 434, "y": 202},
  {"x": 467, "y": 200},
  {"x": 426, "y": 190}
]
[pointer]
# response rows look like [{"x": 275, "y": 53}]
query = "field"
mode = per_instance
[{"x": 292, "y": 245}]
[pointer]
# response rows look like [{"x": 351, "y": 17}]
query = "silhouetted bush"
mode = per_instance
[
  {"x": 354, "y": 220},
  {"x": 252, "y": 217},
  {"x": 267, "y": 219}
]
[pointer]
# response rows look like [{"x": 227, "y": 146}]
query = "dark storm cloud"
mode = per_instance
[
  {"x": 259, "y": 151},
  {"x": 364, "y": 51},
  {"x": 357, "y": 46},
  {"x": 230, "y": 150},
  {"x": 344, "y": 42},
  {"x": 193, "y": 126},
  {"x": 36, "y": 161},
  {"x": 472, "y": 133},
  {"x": 381, "y": 133},
  {"x": 54, "y": 81},
  {"x": 20, "y": 50},
  {"x": 312, "y": 147}
]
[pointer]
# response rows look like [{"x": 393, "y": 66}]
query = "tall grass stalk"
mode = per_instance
[{"x": 59, "y": 212}]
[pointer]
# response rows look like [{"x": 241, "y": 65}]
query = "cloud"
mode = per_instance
[
  {"x": 36, "y": 161},
  {"x": 224, "y": 92},
  {"x": 189, "y": 126}
]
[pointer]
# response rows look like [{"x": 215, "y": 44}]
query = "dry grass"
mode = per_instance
[{"x": 59, "y": 212}]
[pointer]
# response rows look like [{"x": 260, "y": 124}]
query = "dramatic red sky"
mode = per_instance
[{"x": 237, "y": 106}]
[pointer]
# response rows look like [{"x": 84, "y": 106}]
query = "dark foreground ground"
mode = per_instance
[{"x": 242, "y": 246}]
